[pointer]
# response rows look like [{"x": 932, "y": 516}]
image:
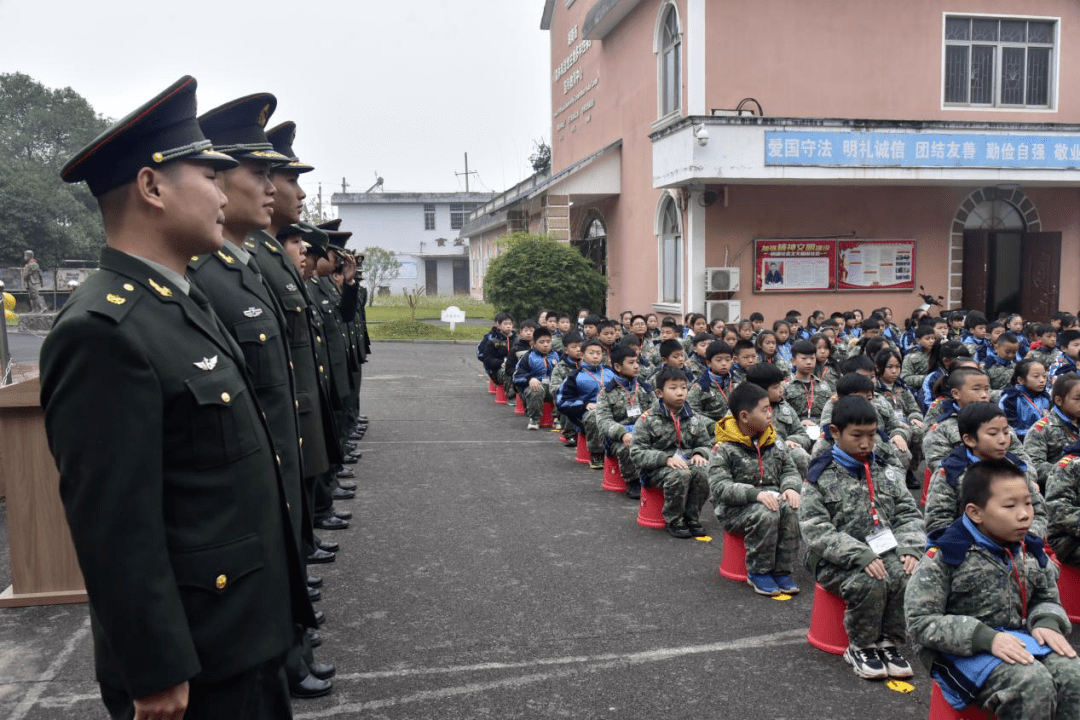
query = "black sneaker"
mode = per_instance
[
  {"x": 894, "y": 662},
  {"x": 678, "y": 529},
  {"x": 866, "y": 663},
  {"x": 696, "y": 529},
  {"x": 633, "y": 492}
]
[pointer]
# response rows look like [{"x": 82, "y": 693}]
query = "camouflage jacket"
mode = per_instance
[
  {"x": 708, "y": 396},
  {"x": 943, "y": 497},
  {"x": 1063, "y": 499},
  {"x": 939, "y": 407},
  {"x": 1046, "y": 441},
  {"x": 964, "y": 587},
  {"x": 999, "y": 371},
  {"x": 900, "y": 401},
  {"x": 561, "y": 372},
  {"x": 835, "y": 519},
  {"x": 943, "y": 436},
  {"x": 613, "y": 414},
  {"x": 1046, "y": 357},
  {"x": 777, "y": 360},
  {"x": 807, "y": 398},
  {"x": 741, "y": 466},
  {"x": 884, "y": 449},
  {"x": 655, "y": 439},
  {"x": 886, "y": 418},
  {"x": 916, "y": 366},
  {"x": 788, "y": 426}
]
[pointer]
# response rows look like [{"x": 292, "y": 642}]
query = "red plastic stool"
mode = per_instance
[
  {"x": 1069, "y": 590},
  {"x": 651, "y": 508},
  {"x": 613, "y": 479},
  {"x": 827, "y": 622},
  {"x": 940, "y": 709},
  {"x": 500, "y": 395},
  {"x": 582, "y": 449},
  {"x": 548, "y": 418},
  {"x": 733, "y": 558},
  {"x": 491, "y": 386},
  {"x": 519, "y": 407},
  {"x": 925, "y": 485}
]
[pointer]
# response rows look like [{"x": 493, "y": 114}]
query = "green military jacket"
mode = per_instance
[
  {"x": 741, "y": 467},
  {"x": 326, "y": 298},
  {"x": 886, "y": 418},
  {"x": 953, "y": 605},
  {"x": 170, "y": 484},
  {"x": 942, "y": 437},
  {"x": 788, "y": 426},
  {"x": 561, "y": 372},
  {"x": 915, "y": 368},
  {"x": 808, "y": 398},
  {"x": 706, "y": 397},
  {"x": 1063, "y": 505},
  {"x": 835, "y": 519},
  {"x": 943, "y": 500},
  {"x": 655, "y": 439},
  {"x": 1045, "y": 443},
  {"x": 620, "y": 405},
  {"x": 900, "y": 400}
]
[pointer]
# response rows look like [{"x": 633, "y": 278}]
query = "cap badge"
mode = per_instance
[
  {"x": 290, "y": 287},
  {"x": 253, "y": 312},
  {"x": 116, "y": 299},
  {"x": 206, "y": 364},
  {"x": 264, "y": 115},
  {"x": 162, "y": 290}
]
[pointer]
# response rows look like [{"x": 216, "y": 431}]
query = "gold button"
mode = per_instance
[
  {"x": 262, "y": 337},
  {"x": 129, "y": 287},
  {"x": 320, "y": 368},
  {"x": 318, "y": 338},
  {"x": 296, "y": 404},
  {"x": 225, "y": 397},
  {"x": 278, "y": 458},
  {"x": 158, "y": 157},
  {"x": 301, "y": 442},
  {"x": 221, "y": 582}
]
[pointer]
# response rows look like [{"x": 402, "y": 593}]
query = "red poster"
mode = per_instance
[
  {"x": 796, "y": 265},
  {"x": 875, "y": 264}
]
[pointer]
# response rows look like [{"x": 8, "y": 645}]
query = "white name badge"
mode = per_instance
[
  {"x": 813, "y": 431},
  {"x": 634, "y": 411},
  {"x": 881, "y": 541}
]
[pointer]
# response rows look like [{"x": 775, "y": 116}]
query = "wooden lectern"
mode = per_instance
[{"x": 44, "y": 569}]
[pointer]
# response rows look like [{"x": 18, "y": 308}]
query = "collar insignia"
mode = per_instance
[
  {"x": 248, "y": 243},
  {"x": 290, "y": 287},
  {"x": 162, "y": 290},
  {"x": 269, "y": 246},
  {"x": 116, "y": 299},
  {"x": 226, "y": 257},
  {"x": 207, "y": 364},
  {"x": 253, "y": 312},
  {"x": 325, "y": 302}
]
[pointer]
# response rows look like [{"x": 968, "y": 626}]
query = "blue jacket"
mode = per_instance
[
  {"x": 495, "y": 348},
  {"x": 1064, "y": 364},
  {"x": 982, "y": 345},
  {"x": 582, "y": 387},
  {"x": 926, "y": 393},
  {"x": 534, "y": 365},
  {"x": 1022, "y": 408}
]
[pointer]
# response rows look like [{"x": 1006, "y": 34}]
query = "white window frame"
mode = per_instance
[
  {"x": 1055, "y": 65},
  {"x": 433, "y": 213},
  {"x": 680, "y": 255},
  {"x": 665, "y": 118}
]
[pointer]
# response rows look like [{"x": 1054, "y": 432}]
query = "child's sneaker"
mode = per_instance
[
  {"x": 556, "y": 425},
  {"x": 633, "y": 492},
  {"x": 596, "y": 462},
  {"x": 895, "y": 664},
  {"x": 866, "y": 663},
  {"x": 762, "y": 584},
  {"x": 787, "y": 585},
  {"x": 533, "y": 425},
  {"x": 678, "y": 529},
  {"x": 696, "y": 528},
  {"x": 569, "y": 441}
]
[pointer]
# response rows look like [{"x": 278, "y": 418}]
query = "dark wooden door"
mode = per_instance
[
  {"x": 1040, "y": 274},
  {"x": 431, "y": 277},
  {"x": 461, "y": 277},
  {"x": 976, "y": 269}
]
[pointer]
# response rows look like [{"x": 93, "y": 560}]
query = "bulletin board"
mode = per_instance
[
  {"x": 875, "y": 264},
  {"x": 794, "y": 265}
]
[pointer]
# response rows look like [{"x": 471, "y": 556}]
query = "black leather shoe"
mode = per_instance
[
  {"x": 347, "y": 485},
  {"x": 314, "y": 581},
  {"x": 311, "y": 687},
  {"x": 343, "y": 494},
  {"x": 323, "y": 671},
  {"x": 321, "y": 556},
  {"x": 314, "y": 638},
  {"x": 331, "y": 523},
  {"x": 362, "y": 419},
  {"x": 350, "y": 446},
  {"x": 351, "y": 459},
  {"x": 320, "y": 618},
  {"x": 327, "y": 545},
  {"x": 314, "y": 594},
  {"x": 341, "y": 514},
  {"x": 346, "y": 473},
  {"x": 356, "y": 436}
]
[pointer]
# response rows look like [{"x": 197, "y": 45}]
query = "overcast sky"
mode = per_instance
[{"x": 399, "y": 88}]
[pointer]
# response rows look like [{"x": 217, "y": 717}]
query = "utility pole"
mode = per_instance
[
  {"x": 343, "y": 185},
  {"x": 466, "y": 173}
]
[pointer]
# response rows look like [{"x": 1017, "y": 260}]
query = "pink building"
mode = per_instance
[{"x": 829, "y": 155}]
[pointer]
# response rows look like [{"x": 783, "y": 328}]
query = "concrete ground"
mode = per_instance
[{"x": 487, "y": 575}]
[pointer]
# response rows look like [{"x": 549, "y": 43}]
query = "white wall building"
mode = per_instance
[{"x": 421, "y": 229}]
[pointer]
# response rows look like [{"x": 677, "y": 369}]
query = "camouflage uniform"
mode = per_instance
[
  {"x": 807, "y": 398},
  {"x": 1046, "y": 441},
  {"x": 943, "y": 496},
  {"x": 685, "y": 491},
  {"x": 560, "y": 373},
  {"x": 708, "y": 397},
  {"x": 887, "y": 423},
  {"x": 742, "y": 467},
  {"x": 883, "y": 449},
  {"x": 1000, "y": 373},
  {"x": 835, "y": 519},
  {"x": 1063, "y": 506},
  {"x": 906, "y": 410},
  {"x": 915, "y": 368},
  {"x": 939, "y": 407},
  {"x": 1046, "y": 357},
  {"x": 789, "y": 427},
  {"x": 956, "y": 599},
  {"x": 943, "y": 436},
  {"x": 617, "y": 411}
]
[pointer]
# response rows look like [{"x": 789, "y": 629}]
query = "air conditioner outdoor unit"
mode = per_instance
[
  {"x": 730, "y": 311},
  {"x": 721, "y": 279}
]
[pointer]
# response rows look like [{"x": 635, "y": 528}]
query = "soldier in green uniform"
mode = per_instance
[
  {"x": 982, "y": 607},
  {"x": 176, "y": 504},
  {"x": 618, "y": 408}
]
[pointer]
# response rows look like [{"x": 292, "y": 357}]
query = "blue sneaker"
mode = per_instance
[
  {"x": 786, "y": 583},
  {"x": 762, "y": 584}
]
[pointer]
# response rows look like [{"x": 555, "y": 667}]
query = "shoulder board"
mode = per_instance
[
  {"x": 933, "y": 427},
  {"x": 645, "y": 414},
  {"x": 115, "y": 305},
  {"x": 931, "y": 552},
  {"x": 197, "y": 261},
  {"x": 1041, "y": 423}
]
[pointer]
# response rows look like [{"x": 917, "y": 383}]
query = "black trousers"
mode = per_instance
[{"x": 260, "y": 693}]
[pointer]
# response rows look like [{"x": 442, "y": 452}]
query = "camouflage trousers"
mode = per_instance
[
  {"x": 875, "y": 608},
  {"x": 507, "y": 381},
  {"x": 534, "y": 402},
  {"x": 772, "y": 538},
  {"x": 685, "y": 491},
  {"x": 801, "y": 458},
  {"x": 630, "y": 472},
  {"x": 593, "y": 437},
  {"x": 1047, "y": 689}
]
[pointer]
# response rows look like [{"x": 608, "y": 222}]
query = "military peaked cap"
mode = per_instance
[
  {"x": 237, "y": 128},
  {"x": 282, "y": 137}
]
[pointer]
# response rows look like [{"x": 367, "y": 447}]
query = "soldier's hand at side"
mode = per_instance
[
  {"x": 168, "y": 704},
  {"x": 628, "y": 439},
  {"x": 899, "y": 443},
  {"x": 1011, "y": 649},
  {"x": 677, "y": 463},
  {"x": 792, "y": 498},
  {"x": 910, "y": 563},
  {"x": 1055, "y": 640},
  {"x": 698, "y": 460},
  {"x": 769, "y": 500},
  {"x": 534, "y": 384},
  {"x": 876, "y": 569}
]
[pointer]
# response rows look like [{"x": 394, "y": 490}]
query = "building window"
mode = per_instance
[
  {"x": 593, "y": 243},
  {"x": 459, "y": 213},
  {"x": 671, "y": 261},
  {"x": 998, "y": 62},
  {"x": 429, "y": 217},
  {"x": 670, "y": 63}
]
